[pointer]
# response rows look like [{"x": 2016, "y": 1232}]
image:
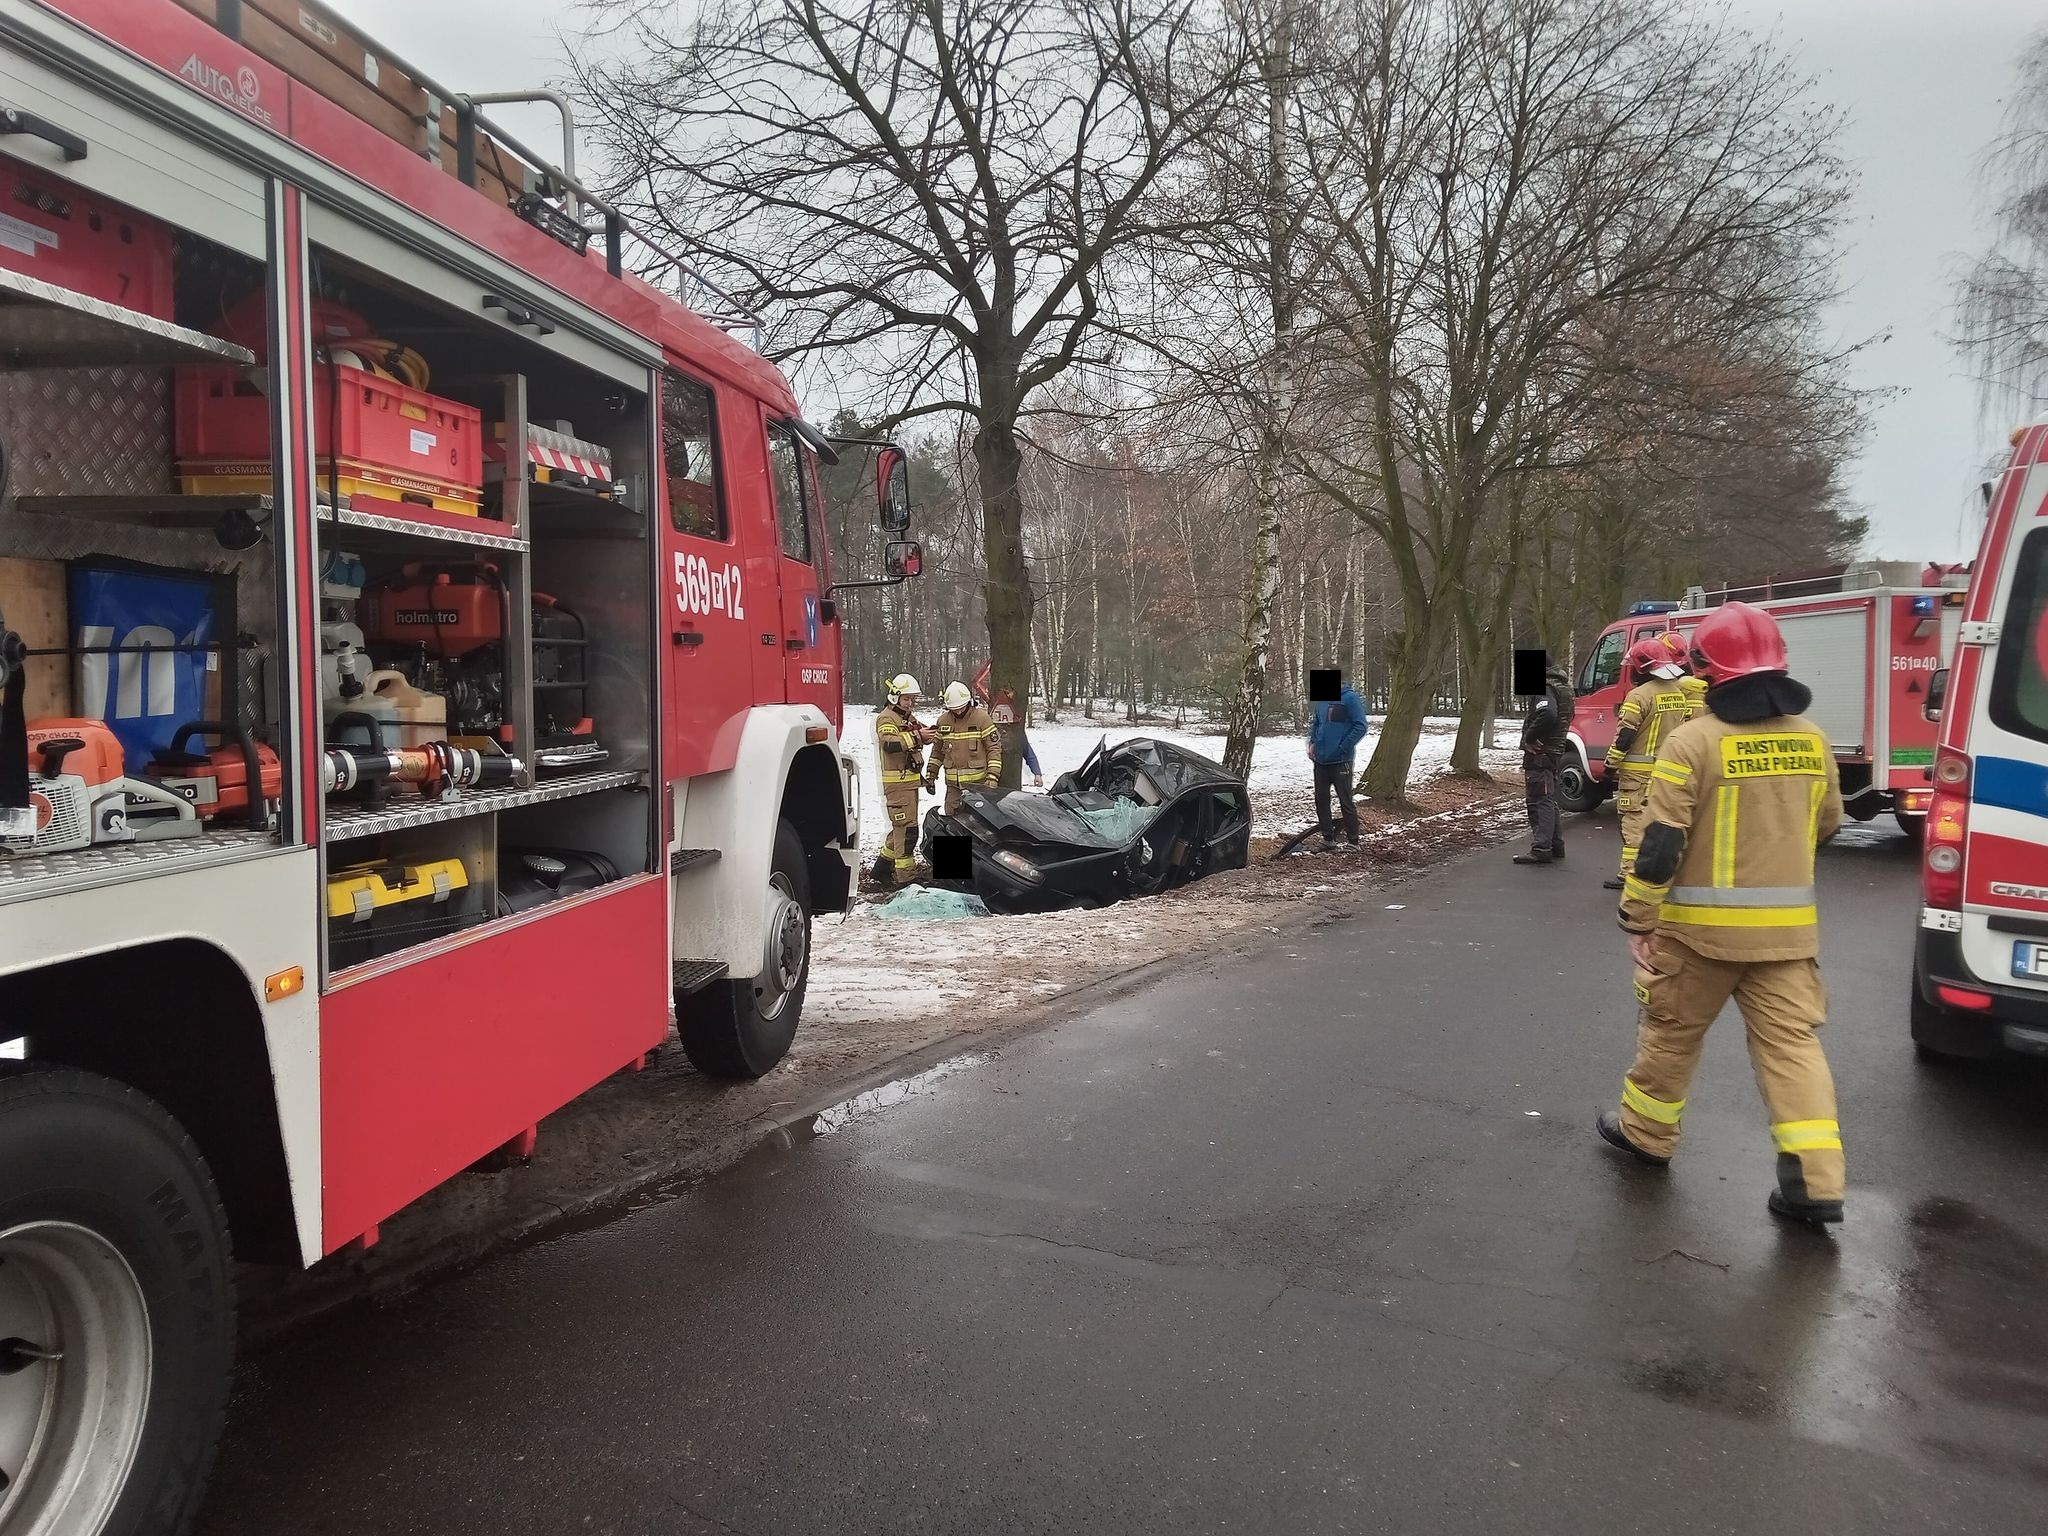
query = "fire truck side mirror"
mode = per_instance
[
  {"x": 1937, "y": 694},
  {"x": 905, "y": 559},
  {"x": 892, "y": 490}
]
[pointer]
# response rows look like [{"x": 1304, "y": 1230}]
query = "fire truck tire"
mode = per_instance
[
  {"x": 114, "y": 1257},
  {"x": 1576, "y": 789},
  {"x": 742, "y": 1028}
]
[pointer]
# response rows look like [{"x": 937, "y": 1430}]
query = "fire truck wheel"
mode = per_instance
[
  {"x": 1576, "y": 790},
  {"x": 743, "y": 1028},
  {"x": 116, "y": 1312}
]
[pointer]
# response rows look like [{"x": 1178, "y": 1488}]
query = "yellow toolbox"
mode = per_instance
[{"x": 380, "y": 907}]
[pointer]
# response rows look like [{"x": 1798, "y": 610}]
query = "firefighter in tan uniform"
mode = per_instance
[
  {"x": 899, "y": 753},
  {"x": 968, "y": 747},
  {"x": 1662, "y": 699},
  {"x": 1721, "y": 903}
]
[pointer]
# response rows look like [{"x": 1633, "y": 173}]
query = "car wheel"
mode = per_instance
[
  {"x": 1912, "y": 823},
  {"x": 1933, "y": 1028},
  {"x": 1576, "y": 790},
  {"x": 116, "y": 1310},
  {"x": 742, "y": 1028}
]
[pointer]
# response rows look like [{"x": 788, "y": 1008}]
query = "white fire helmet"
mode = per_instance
[
  {"x": 956, "y": 696},
  {"x": 902, "y": 683}
]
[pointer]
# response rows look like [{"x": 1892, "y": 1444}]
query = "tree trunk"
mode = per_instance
[
  {"x": 1130, "y": 605},
  {"x": 1410, "y": 685},
  {"x": 1262, "y": 585},
  {"x": 1482, "y": 627},
  {"x": 1006, "y": 595},
  {"x": 1262, "y": 578},
  {"x": 1414, "y": 657}
]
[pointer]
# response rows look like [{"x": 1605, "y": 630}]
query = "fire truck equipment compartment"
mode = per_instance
[{"x": 376, "y": 908}]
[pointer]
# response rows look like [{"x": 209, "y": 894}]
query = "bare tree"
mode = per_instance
[
  {"x": 933, "y": 197},
  {"x": 2002, "y": 307},
  {"x": 1501, "y": 183}
]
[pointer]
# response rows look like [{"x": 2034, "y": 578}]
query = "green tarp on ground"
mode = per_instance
[{"x": 922, "y": 901}]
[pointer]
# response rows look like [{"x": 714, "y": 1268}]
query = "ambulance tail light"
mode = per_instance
[{"x": 1948, "y": 825}]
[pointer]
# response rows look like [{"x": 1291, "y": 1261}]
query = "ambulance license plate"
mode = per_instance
[{"x": 2029, "y": 960}]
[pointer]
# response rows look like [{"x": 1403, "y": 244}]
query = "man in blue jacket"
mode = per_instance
[{"x": 1335, "y": 728}]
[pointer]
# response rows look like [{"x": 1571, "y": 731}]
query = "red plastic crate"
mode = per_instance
[
  {"x": 223, "y": 418},
  {"x": 53, "y": 231}
]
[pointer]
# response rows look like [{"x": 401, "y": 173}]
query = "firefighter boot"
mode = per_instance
[
  {"x": 1782, "y": 1003},
  {"x": 1790, "y": 1203},
  {"x": 1609, "y": 1126},
  {"x": 1611, "y": 883}
]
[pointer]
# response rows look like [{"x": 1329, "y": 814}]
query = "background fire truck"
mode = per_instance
[
  {"x": 422, "y": 680},
  {"x": 1867, "y": 639}
]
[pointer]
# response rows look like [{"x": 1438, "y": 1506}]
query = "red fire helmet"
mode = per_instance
[
  {"x": 1736, "y": 640},
  {"x": 1652, "y": 658},
  {"x": 1679, "y": 647}
]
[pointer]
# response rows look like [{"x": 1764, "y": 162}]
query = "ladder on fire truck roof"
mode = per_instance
[
  {"x": 1857, "y": 576},
  {"x": 320, "y": 50}
]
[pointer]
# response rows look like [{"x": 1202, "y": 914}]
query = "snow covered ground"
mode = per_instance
[{"x": 1283, "y": 798}]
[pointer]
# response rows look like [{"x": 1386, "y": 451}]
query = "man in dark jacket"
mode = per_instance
[
  {"x": 1543, "y": 748},
  {"x": 1335, "y": 728}
]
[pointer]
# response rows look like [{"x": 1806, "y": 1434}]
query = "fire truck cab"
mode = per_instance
[
  {"x": 1980, "y": 966},
  {"x": 422, "y": 684}
]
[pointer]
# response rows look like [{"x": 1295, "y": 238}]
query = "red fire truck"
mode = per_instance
[
  {"x": 422, "y": 683},
  {"x": 1980, "y": 968},
  {"x": 1865, "y": 638}
]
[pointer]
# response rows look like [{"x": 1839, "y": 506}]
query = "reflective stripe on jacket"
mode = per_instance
[
  {"x": 898, "y": 753},
  {"x": 1753, "y": 801},
  {"x": 968, "y": 747}
]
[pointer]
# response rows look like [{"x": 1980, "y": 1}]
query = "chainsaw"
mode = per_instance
[{"x": 79, "y": 791}]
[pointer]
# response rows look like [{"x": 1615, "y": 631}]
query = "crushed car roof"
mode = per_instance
[{"x": 1173, "y": 767}]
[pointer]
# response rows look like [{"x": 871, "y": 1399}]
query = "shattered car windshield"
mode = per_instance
[{"x": 1118, "y": 823}]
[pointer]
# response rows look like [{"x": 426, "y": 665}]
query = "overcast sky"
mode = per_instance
[{"x": 1922, "y": 81}]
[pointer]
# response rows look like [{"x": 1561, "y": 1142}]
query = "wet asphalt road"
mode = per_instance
[{"x": 1318, "y": 1241}]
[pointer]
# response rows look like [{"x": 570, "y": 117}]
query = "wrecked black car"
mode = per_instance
[{"x": 1134, "y": 819}]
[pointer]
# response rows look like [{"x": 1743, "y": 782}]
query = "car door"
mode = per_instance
[
  {"x": 810, "y": 643},
  {"x": 1600, "y": 692}
]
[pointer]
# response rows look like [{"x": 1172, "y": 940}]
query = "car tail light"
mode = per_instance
[
  {"x": 1948, "y": 825},
  {"x": 1963, "y": 997}
]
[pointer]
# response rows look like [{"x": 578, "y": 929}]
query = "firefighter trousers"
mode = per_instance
[
  {"x": 900, "y": 846},
  {"x": 1631, "y": 801},
  {"x": 1782, "y": 1003},
  {"x": 954, "y": 786}
]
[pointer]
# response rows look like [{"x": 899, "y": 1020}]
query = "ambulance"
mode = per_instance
[{"x": 1980, "y": 966}]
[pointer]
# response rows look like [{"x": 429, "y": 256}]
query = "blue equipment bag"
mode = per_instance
[{"x": 147, "y": 638}]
